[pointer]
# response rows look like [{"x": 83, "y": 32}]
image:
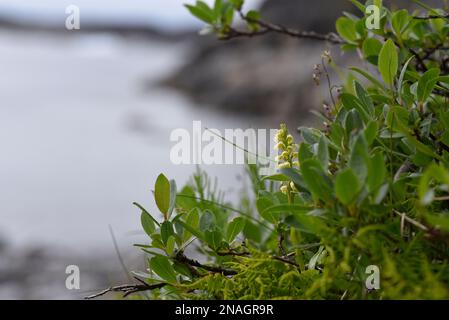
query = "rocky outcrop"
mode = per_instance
[
  {"x": 39, "y": 272},
  {"x": 269, "y": 75}
]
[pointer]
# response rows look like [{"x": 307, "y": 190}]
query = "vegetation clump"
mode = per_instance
[{"x": 370, "y": 188}]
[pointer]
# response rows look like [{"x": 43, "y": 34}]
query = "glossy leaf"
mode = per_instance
[{"x": 388, "y": 62}]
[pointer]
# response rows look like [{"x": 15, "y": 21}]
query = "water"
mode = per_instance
[
  {"x": 83, "y": 134},
  {"x": 168, "y": 14}
]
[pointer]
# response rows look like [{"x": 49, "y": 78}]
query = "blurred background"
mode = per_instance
[{"x": 86, "y": 116}]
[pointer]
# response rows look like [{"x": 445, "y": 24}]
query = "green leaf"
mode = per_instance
[
  {"x": 304, "y": 152},
  {"x": 203, "y": 13},
  {"x": 316, "y": 257},
  {"x": 359, "y": 159},
  {"x": 310, "y": 135},
  {"x": 396, "y": 122},
  {"x": 360, "y": 6},
  {"x": 276, "y": 177},
  {"x": 237, "y": 3},
  {"x": 293, "y": 175},
  {"x": 170, "y": 246},
  {"x": 203, "y": 5},
  {"x": 353, "y": 122},
  {"x": 147, "y": 223},
  {"x": 377, "y": 172},
  {"x": 401, "y": 77},
  {"x": 145, "y": 211},
  {"x": 371, "y": 48},
  {"x": 229, "y": 15},
  {"x": 207, "y": 221},
  {"x": 157, "y": 241},
  {"x": 235, "y": 227},
  {"x": 253, "y": 231},
  {"x": 352, "y": 102},
  {"x": 317, "y": 182},
  {"x": 186, "y": 199},
  {"x": 278, "y": 209},
  {"x": 253, "y": 16},
  {"x": 162, "y": 267},
  {"x": 364, "y": 98},
  {"x": 400, "y": 21},
  {"x": 401, "y": 114},
  {"x": 347, "y": 186},
  {"x": 218, "y": 6},
  {"x": 182, "y": 269},
  {"x": 213, "y": 238},
  {"x": 388, "y": 62},
  {"x": 162, "y": 195},
  {"x": 262, "y": 205},
  {"x": 172, "y": 201},
  {"x": 368, "y": 76},
  {"x": 445, "y": 138},
  {"x": 192, "y": 230},
  {"x": 371, "y": 131},
  {"x": 438, "y": 221},
  {"x": 323, "y": 153},
  {"x": 433, "y": 172},
  {"x": 427, "y": 83},
  {"x": 192, "y": 220},
  {"x": 347, "y": 29},
  {"x": 166, "y": 231}
]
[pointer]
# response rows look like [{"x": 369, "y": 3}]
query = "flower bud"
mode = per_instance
[
  {"x": 284, "y": 165},
  {"x": 284, "y": 189}
]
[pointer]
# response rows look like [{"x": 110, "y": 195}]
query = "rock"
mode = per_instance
[
  {"x": 39, "y": 272},
  {"x": 268, "y": 75},
  {"x": 264, "y": 75}
]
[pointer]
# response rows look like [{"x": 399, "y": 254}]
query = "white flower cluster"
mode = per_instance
[{"x": 288, "y": 154}]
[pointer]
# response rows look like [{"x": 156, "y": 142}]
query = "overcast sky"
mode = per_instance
[{"x": 166, "y": 13}]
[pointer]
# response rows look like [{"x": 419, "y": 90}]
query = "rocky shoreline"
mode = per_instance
[
  {"x": 266, "y": 76},
  {"x": 39, "y": 272},
  {"x": 269, "y": 75}
]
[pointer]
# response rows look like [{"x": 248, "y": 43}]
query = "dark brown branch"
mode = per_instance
[
  {"x": 421, "y": 64},
  {"x": 128, "y": 289},
  {"x": 431, "y": 51},
  {"x": 234, "y": 33},
  {"x": 285, "y": 260},
  {"x": 281, "y": 243},
  {"x": 180, "y": 257},
  {"x": 266, "y": 27},
  {"x": 432, "y": 17},
  {"x": 232, "y": 253}
]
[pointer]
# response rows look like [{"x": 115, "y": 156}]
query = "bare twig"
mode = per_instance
[
  {"x": 405, "y": 167},
  {"x": 445, "y": 198},
  {"x": 412, "y": 221},
  {"x": 128, "y": 289},
  {"x": 119, "y": 256}
]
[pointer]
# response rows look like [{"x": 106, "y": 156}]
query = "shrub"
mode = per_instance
[{"x": 370, "y": 188}]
